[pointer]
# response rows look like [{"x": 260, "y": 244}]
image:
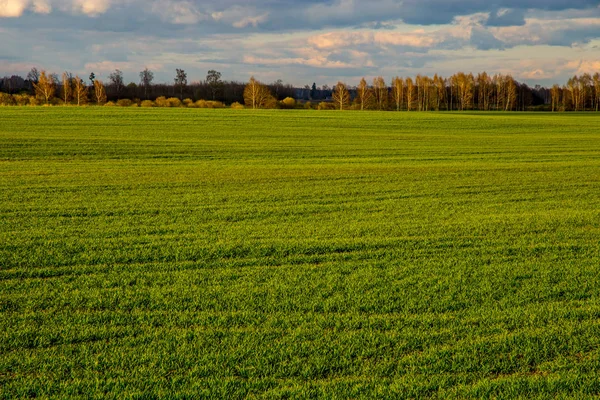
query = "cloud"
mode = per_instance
[
  {"x": 91, "y": 7},
  {"x": 241, "y": 17},
  {"x": 178, "y": 12},
  {"x": 302, "y": 41},
  {"x": 16, "y": 8},
  {"x": 12, "y": 8}
]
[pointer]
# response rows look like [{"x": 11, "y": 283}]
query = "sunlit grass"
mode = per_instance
[{"x": 293, "y": 254}]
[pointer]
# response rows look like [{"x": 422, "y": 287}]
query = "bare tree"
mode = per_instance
[
  {"x": 80, "y": 91},
  {"x": 257, "y": 95},
  {"x": 99, "y": 92},
  {"x": 439, "y": 84},
  {"x": 363, "y": 93},
  {"x": 410, "y": 92},
  {"x": 483, "y": 91},
  {"x": 146, "y": 78},
  {"x": 116, "y": 81},
  {"x": 180, "y": 80},
  {"x": 33, "y": 75},
  {"x": 398, "y": 92},
  {"x": 66, "y": 89},
  {"x": 214, "y": 82},
  {"x": 511, "y": 92},
  {"x": 381, "y": 92},
  {"x": 555, "y": 97},
  {"x": 341, "y": 96},
  {"x": 45, "y": 87},
  {"x": 465, "y": 85},
  {"x": 596, "y": 79}
]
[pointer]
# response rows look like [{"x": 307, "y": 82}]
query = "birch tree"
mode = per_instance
[
  {"x": 257, "y": 95},
  {"x": 341, "y": 96},
  {"x": 66, "y": 89},
  {"x": 555, "y": 97},
  {"x": 596, "y": 79},
  {"x": 99, "y": 92},
  {"x": 381, "y": 92},
  {"x": 363, "y": 94},
  {"x": 410, "y": 93},
  {"x": 45, "y": 87},
  {"x": 80, "y": 92},
  {"x": 398, "y": 92}
]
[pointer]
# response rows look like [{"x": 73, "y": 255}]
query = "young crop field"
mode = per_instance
[{"x": 184, "y": 253}]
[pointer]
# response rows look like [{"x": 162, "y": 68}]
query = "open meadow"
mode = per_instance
[{"x": 185, "y": 253}]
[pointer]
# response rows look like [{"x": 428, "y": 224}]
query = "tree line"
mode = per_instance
[{"x": 459, "y": 92}]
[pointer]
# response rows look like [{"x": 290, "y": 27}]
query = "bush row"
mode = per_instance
[{"x": 172, "y": 102}]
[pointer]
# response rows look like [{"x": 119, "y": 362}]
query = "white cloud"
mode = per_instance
[
  {"x": 41, "y": 7},
  {"x": 12, "y": 8},
  {"x": 16, "y": 8},
  {"x": 91, "y": 7}
]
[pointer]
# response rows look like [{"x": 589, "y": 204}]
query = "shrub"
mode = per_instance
[
  {"x": 326, "y": 106},
  {"x": 188, "y": 102},
  {"x": 288, "y": 102},
  {"x": 124, "y": 103},
  {"x": 215, "y": 104},
  {"x": 147, "y": 103},
  {"x": 308, "y": 105},
  {"x": 208, "y": 104},
  {"x": 174, "y": 102},
  {"x": 161, "y": 102},
  {"x": 24, "y": 100},
  {"x": 6, "y": 99},
  {"x": 109, "y": 104},
  {"x": 270, "y": 103},
  {"x": 237, "y": 106}
]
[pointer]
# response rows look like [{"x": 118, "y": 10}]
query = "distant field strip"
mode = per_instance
[{"x": 183, "y": 253}]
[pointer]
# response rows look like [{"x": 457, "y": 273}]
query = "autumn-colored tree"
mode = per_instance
[
  {"x": 596, "y": 79},
  {"x": 418, "y": 84},
  {"x": 573, "y": 88},
  {"x": 99, "y": 92},
  {"x": 398, "y": 92},
  {"x": 410, "y": 94},
  {"x": 363, "y": 94},
  {"x": 257, "y": 95},
  {"x": 511, "y": 92},
  {"x": 425, "y": 92},
  {"x": 381, "y": 93},
  {"x": 439, "y": 84},
  {"x": 80, "y": 92},
  {"x": 484, "y": 85},
  {"x": 45, "y": 87},
  {"x": 66, "y": 89},
  {"x": 341, "y": 96},
  {"x": 465, "y": 86},
  {"x": 555, "y": 97}
]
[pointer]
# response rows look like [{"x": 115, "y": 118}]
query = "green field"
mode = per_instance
[{"x": 180, "y": 253}]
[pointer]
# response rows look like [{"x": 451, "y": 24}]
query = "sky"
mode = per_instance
[{"x": 302, "y": 41}]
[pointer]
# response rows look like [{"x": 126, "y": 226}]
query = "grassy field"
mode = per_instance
[{"x": 181, "y": 253}]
